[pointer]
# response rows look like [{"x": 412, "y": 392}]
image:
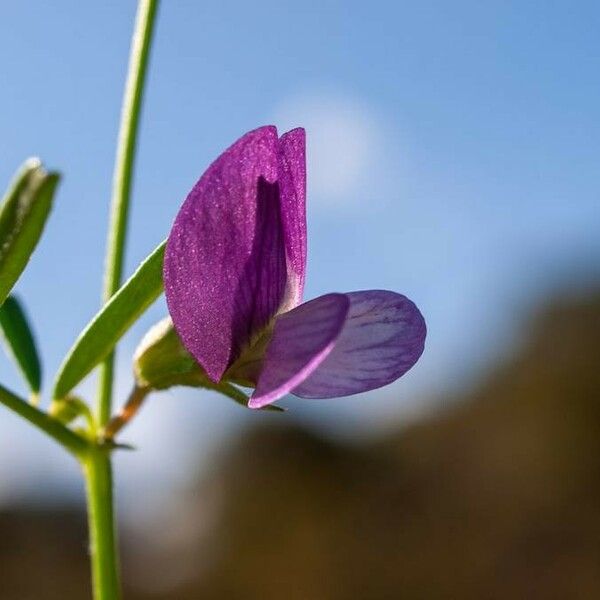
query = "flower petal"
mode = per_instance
[
  {"x": 383, "y": 337},
  {"x": 302, "y": 339},
  {"x": 225, "y": 264},
  {"x": 292, "y": 185}
]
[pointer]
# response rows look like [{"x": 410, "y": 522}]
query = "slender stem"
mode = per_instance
[
  {"x": 97, "y": 470},
  {"x": 73, "y": 442},
  {"x": 131, "y": 408},
  {"x": 97, "y": 462},
  {"x": 124, "y": 162}
]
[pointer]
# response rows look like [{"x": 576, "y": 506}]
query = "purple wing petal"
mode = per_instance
[
  {"x": 383, "y": 337},
  {"x": 292, "y": 182},
  {"x": 302, "y": 339},
  {"x": 225, "y": 265}
]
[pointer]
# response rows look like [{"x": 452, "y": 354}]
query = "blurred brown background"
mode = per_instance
[{"x": 496, "y": 495}]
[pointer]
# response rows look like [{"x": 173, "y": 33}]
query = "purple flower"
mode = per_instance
[{"x": 234, "y": 274}]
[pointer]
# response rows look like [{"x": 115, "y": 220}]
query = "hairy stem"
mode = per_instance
[{"x": 122, "y": 179}]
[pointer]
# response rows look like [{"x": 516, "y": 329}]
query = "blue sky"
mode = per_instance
[{"x": 453, "y": 156}]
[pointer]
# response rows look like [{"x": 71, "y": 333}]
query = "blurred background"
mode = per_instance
[{"x": 453, "y": 157}]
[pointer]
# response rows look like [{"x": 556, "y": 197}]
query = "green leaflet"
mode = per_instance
[
  {"x": 23, "y": 214},
  {"x": 20, "y": 342},
  {"x": 103, "y": 332}
]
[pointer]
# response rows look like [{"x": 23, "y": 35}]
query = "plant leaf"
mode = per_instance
[
  {"x": 20, "y": 342},
  {"x": 103, "y": 332},
  {"x": 23, "y": 213}
]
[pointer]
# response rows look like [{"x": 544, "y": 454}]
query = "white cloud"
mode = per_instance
[{"x": 342, "y": 143}]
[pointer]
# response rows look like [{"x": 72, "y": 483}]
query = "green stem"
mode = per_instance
[
  {"x": 124, "y": 161},
  {"x": 97, "y": 470},
  {"x": 97, "y": 463},
  {"x": 73, "y": 442}
]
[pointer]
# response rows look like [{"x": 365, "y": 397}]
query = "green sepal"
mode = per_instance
[{"x": 161, "y": 362}]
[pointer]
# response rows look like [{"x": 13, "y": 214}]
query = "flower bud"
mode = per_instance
[{"x": 69, "y": 408}]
